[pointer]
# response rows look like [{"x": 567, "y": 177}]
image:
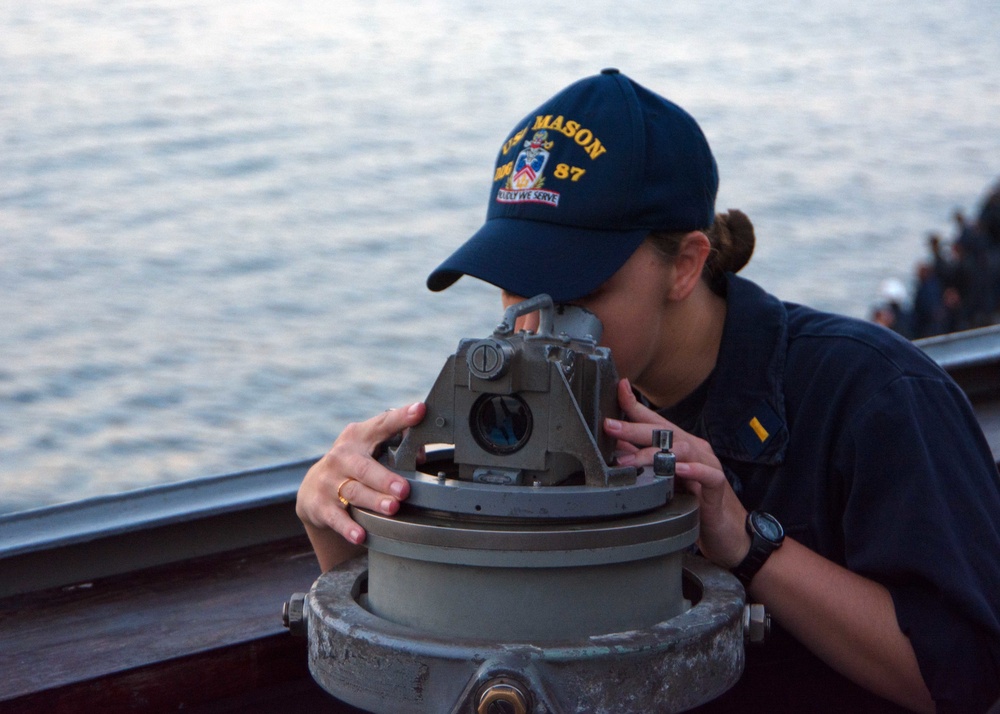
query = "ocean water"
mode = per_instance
[{"x": 216, "y": 217}]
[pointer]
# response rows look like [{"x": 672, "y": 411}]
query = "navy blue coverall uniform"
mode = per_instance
[{"x": 869, "y": 454}]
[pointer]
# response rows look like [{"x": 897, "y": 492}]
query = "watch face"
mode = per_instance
[{"x": 768, "y": 526}]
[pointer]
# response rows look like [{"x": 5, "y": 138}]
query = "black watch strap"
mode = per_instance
[{"x": 766, "y": 536}]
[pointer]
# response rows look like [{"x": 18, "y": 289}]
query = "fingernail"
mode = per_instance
[
  {"x": 412, "y": 409},
  {"x": 626, "y": 460},
  {"x": 612, "y": 425},
  {"x": 385, "y": 505},
  {"x": 397, "y": 489},
  {"x": 356, "y": 536},
  {"x": 682, "y": 467}
]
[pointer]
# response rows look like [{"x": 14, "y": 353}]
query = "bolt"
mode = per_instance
[
  {"x": 293, "y": 616},
  {"x": 502, "y": 697},
  {"x": 756, "y": 623}
]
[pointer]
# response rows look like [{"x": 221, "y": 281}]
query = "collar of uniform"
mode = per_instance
[{"x": 745, "y": 411}]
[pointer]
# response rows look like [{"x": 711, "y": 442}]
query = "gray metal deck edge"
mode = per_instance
[
  {"x": 106, "y": 516},
  {"x": 104, "y": 536},
  {"x": 971, "y": 348}
]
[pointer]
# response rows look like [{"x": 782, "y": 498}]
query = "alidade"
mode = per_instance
[{"x": 526, "y": 572}]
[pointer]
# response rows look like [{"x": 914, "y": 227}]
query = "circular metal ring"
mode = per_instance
[
  {"x": 341, "y": 486},
  {"x": 671, "y": 666}
]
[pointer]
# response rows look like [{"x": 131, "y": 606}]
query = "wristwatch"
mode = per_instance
[{"x": 766, "y": 536}]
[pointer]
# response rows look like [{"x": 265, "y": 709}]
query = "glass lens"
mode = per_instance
[{"x": 501, "y": 424}]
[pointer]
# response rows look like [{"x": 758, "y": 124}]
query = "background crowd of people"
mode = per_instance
[{"x": 957, "y": 287}]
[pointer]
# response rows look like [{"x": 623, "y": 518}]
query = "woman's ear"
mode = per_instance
[{"x": 688, "y": 264}]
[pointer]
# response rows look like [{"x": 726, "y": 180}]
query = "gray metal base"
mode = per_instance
[
  {"x": 384, "y": 667},
  {"x": 503, "y": 581}
]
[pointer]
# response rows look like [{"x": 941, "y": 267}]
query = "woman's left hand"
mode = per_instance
[{"x": 723, "y": 538}]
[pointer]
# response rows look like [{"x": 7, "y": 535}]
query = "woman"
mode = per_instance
[{"x": 866, "y": 451}]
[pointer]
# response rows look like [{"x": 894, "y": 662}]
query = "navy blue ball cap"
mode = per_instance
[{"x": 578, "y": 185}]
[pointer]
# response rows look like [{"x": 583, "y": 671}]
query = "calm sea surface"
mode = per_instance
[{"x": 216, "y": 217}]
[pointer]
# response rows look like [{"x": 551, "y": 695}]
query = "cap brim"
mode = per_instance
[{"x": 527, "y": 258}]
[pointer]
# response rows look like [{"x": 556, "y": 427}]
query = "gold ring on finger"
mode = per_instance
[{"x": 340, "y": 488}]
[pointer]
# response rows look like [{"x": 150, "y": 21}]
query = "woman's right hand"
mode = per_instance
[
  {"x": 722, "y": 537},
  {"x": 349, "y": 470}
]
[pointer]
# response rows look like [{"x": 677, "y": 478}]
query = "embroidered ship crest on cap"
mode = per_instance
[{"x": 527, "y": 178}]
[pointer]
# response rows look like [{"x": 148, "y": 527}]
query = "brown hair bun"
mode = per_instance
[{"x": 732, "y": 237}]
